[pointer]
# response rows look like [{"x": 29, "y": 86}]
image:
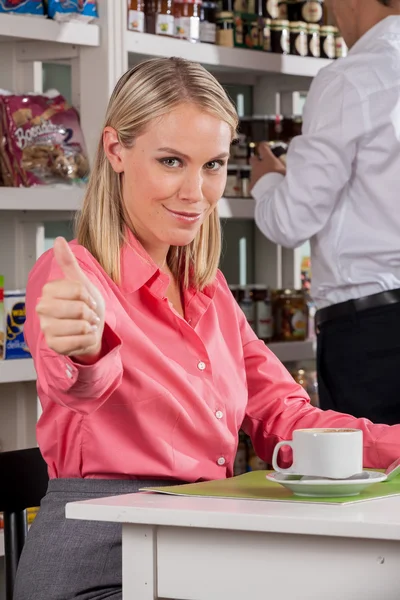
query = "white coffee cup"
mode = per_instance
[{"x": 333, "y": 453}]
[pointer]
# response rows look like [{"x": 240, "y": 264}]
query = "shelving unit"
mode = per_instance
[
  {"x": 48, "y": 198},
  {"x": 218, "y": 58},
  {"x": 1, "y": 543},
  {"x": 19, "y": 27},
  {"x": 15, "y": 371}
]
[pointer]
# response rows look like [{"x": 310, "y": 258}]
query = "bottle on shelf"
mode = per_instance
[
  {"x": 165, "y": 21},
  {"x": 136, "y": 16},
  {"x": 208, "y": 22},
  {"x": 187, "y": 19},
  {"x": 150, "y": 14}
]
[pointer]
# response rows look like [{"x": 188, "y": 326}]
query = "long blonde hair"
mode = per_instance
[{"x": 147, "y": 91}]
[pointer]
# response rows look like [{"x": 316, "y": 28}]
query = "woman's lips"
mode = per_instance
[{"x": 190, "y": 217}]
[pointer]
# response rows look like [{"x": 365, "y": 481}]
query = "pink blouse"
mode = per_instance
[{"x": 168, "y": 398}]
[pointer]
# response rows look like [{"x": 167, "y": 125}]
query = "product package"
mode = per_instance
[
  {"x": 72, "y": 10},
  {"x": 41, "y": 142},
  {"x": 2, "y": 320},
  {"x": 22, "y": 7},
  {"x": 14, "y": 304}
]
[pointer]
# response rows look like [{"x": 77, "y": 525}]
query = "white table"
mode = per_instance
[{"x": 215, "y": 549}]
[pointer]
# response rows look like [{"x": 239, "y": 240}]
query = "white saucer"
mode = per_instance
[{"x": 327, "y": 488}]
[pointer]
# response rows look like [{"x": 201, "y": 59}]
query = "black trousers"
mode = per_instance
[{"x": 358, "y": 364}]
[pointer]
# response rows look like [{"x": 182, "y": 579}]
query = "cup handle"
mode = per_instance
[{"x": 278, "y": 446}]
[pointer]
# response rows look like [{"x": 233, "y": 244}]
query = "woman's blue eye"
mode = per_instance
[
  {"x": 171, "y": 162},
  {"x": 214, "y": 165}
]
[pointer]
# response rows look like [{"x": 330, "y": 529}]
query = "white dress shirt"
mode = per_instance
[{"x": 342, "y": 188}]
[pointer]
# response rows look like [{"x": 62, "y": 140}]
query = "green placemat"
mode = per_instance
[{"x": 254, "y": 486}]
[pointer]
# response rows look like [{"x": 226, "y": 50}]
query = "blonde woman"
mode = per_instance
[{"x": 147, "y": 368}]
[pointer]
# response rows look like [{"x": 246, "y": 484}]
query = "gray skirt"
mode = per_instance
[{"x": 65, "y": 559}]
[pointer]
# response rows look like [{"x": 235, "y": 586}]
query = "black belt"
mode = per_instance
[{"x": 345, "y": 309}]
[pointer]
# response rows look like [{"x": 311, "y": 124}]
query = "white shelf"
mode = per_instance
[
  {"x": 19, "y": 27},
  {"x": 294, "y": 351},
  {"x": 66, "y": 198},
  {"x": 236, "y": 208},
  {"x": 69, "y": 198},
  {"x": 14, "y": 371},
  {"x": 222, "y": 59}
]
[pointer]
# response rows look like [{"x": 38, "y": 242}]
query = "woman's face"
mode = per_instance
[{"x": 173, "y": 176}]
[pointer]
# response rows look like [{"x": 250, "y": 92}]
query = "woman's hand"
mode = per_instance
[{"x": 71, "y": 310}]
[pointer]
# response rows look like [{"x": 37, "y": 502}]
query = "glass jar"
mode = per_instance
[
  {"x": 136, "y": 19},
  {"x": 341, "y": 46},
  {"x": 271, "y": 9},
  {"x": 165, "y": 23},
  {"x": 208, "y": 22},
  {"x": 225, "y": 29},
  {"x": 280, "y": 39},
  {"x": 298, "y": 38},
  {"x": 267, "y": 35},
  {"x": 233, "y": 184},
  {"x": 247, "y": 305},
  {"x": 187, "y": 20},
  {"x": 245, "y": 183},
  {"x": 314, "y": 40},
  {"x": 263, "y": 312},
  {"x": 290, "y": 316},
  {"x": 312, "y": 11},
  {"x": 328, "y": 42}
]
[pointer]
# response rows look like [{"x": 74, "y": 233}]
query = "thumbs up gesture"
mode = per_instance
[{"x": 71, "y": 310}]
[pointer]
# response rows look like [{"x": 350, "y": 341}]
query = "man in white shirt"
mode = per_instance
[{"x": 342, "y": 191}]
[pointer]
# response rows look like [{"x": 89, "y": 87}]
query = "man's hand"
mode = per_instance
[{"x": 265, "y": 162}]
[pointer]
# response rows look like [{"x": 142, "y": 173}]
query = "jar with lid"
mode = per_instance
[
  {"x": 314, "y": 41},
  {"x": 280, "y": 40},
  {"x": 263, "y": 312},
  {"x": 271, "y": 9},
  {"x": 312, "y": 11},
  {"x": 136, "y": 19},
  {"x": 208, "y": 22},
  {"x": 290, "y": 316},
  {"x": 252, "y": 31},
  {"x": 187, "y": 20},
  {"x": 233, "y": 183},
  {"x": 267, "y": 35},
  {"x": 298, "y": 38},
  {"x": 165, "y": 23},
  {"x": 328, "y": 42},
  {"x": 245, "y": 183},
  {"x": 341, "y": 46},
  {"x": 225, "y": 29},
  {"x": 282, "y": 9},
  {"x": 247, "y": 305}
]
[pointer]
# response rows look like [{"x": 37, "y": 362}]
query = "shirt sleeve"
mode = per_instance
[
  {"x": 79, "y": 387},
  {"x": 292, "y": 209},
  {"x": 277, "y": 406}
]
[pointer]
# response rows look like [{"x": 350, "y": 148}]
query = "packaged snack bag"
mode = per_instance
[
  {"x": 69, "y": 10},
  {"x": 14, "y": 303},
  {"x": 22, "y": 7},
  {"x": 41, "y": 141}
]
